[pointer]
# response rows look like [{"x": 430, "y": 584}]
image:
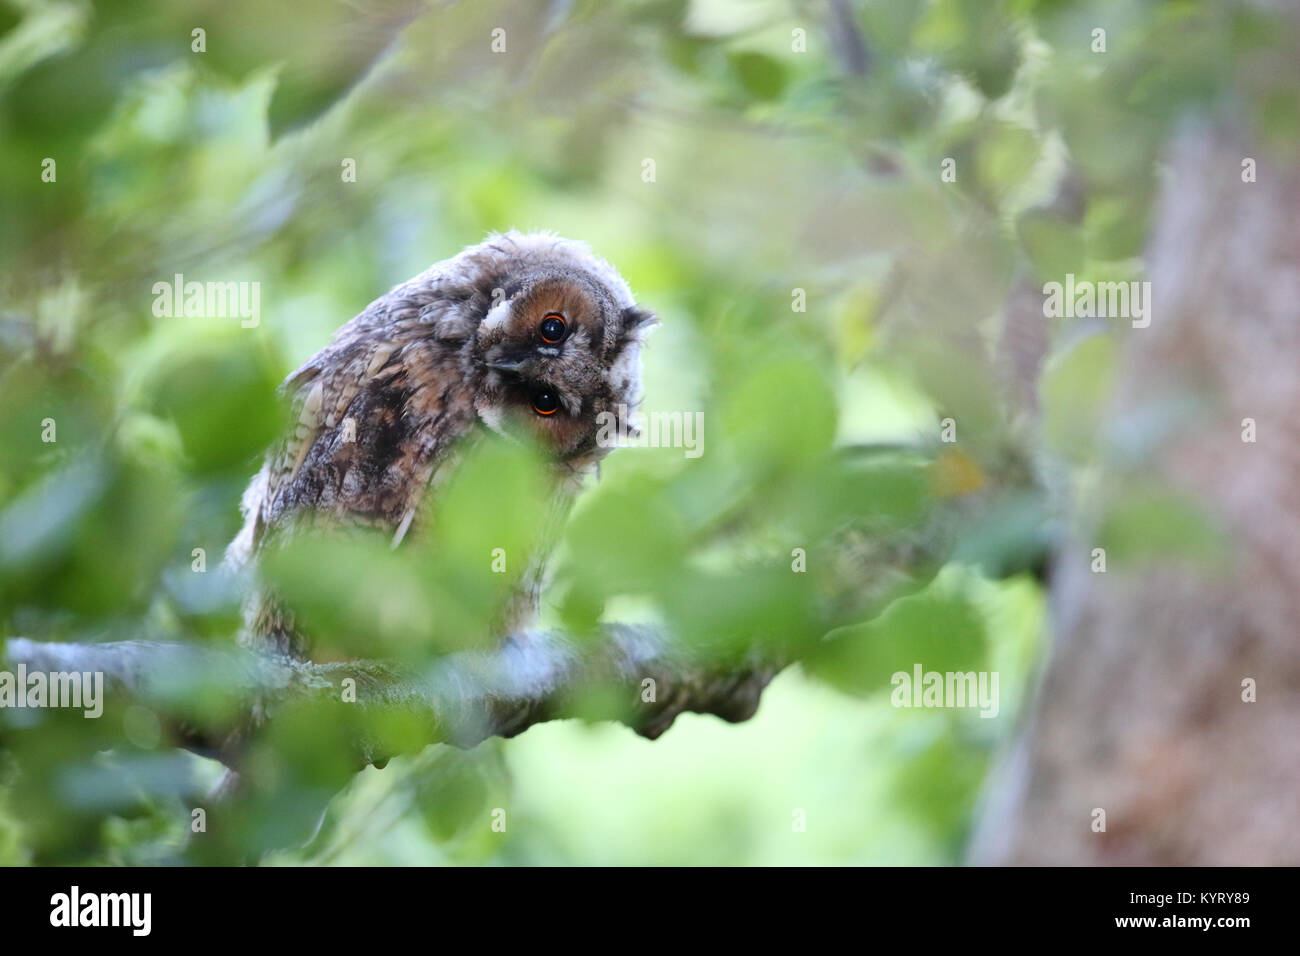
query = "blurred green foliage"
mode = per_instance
[{"x": 784, "y": 170}]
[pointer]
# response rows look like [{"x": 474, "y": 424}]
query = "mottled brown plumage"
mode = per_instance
[{"x": 472, "y": 343}]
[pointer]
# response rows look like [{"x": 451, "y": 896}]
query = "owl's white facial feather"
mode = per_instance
[
  {"x": 498, "y": 316},
  {"x": 494, "y": 417}
]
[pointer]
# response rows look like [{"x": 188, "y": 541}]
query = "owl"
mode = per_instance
[{"x": 523, "y": 335}]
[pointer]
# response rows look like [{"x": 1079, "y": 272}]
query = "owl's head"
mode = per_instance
[{"x": 560, "y": 355}]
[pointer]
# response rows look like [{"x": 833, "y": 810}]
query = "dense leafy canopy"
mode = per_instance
[{"x": 772, "y": 187}]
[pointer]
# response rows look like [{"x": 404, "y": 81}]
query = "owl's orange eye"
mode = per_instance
[
  {"x": 545, "y": 403},
  {"x": 552, "y": 328}
]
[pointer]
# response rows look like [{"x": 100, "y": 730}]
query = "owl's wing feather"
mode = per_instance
[{"x": 371, "y": 419}]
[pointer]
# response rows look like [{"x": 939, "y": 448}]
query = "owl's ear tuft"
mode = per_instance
[
  {"x": 635, "y": 317},
  {"x": 634, "y": 323}
]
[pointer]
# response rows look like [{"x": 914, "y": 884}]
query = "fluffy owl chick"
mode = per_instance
[{"x": 521, "y": 334}]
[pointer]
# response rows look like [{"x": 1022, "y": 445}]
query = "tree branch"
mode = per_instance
[{"x": 461, "y": 699}]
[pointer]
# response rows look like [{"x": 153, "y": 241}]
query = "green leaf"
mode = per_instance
[
  {"x": 762, "y": 76},
  {"x": 936, "y": 629}
]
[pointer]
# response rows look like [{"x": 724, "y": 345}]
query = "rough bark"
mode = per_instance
[{"x": 1140, "y": 712}]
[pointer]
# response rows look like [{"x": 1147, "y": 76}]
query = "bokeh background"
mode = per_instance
[{"x": 769, "y": 177}]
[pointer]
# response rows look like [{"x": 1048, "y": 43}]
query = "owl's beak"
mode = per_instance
[{"x": 510, "y": 363}]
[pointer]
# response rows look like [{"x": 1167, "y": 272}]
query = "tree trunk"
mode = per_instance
[{"x": 1140, "y": 712}]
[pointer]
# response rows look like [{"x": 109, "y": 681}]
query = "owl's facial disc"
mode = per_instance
[
  {"x": 545, "y": 320},
  {"x": 560, "y": 354}
]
